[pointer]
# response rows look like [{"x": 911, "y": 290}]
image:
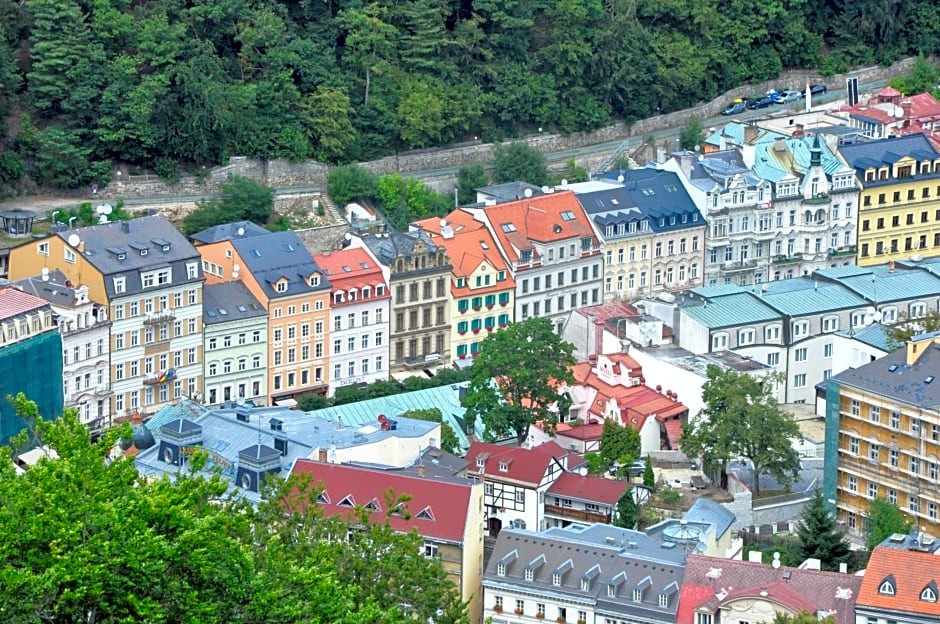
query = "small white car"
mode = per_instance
[{"x": 789, "y": 96}]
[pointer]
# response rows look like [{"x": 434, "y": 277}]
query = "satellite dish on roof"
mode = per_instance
[
  {"x": 545, "y": 189},
  {"x": 527, "y": 192},
  {"x": 347, "y": 236},
  {"x": 45, "y": 274},
  {"x": 583, "y": 471},
  {"x": 564, "y": 182},
  {"x": 240, "y": 231},
  {"x": 74, "y": 240},
  {"x": 104, "y": 209},
  {"x": 620, "y": 178}
]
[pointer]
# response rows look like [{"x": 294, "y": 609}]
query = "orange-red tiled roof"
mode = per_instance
[
  {"x": 912, "y": 572},
  {"x": 526, "y": 466},
  {"x": 14, "y": 302},
  {"x": 588, "y": 488},
  {"x": 363, "y": 270},
  {"x": 538, "y": 219}
]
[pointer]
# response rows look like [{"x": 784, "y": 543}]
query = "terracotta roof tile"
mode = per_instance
[
  {"x": 522, "y": 465},
  {"x": 446, "y": 502},
  {"x": 588, "y": 488},
  {"x": 912, "y": 572},
  {"x": 14, "y": 302}
]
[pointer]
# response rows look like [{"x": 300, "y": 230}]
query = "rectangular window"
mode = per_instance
[{"x": 799, "y": 381}]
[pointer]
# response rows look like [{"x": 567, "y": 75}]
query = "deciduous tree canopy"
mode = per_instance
[{"x": 345, "y": 80}]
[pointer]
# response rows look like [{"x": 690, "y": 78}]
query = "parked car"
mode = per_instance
[
  {"x": 735, "y": 109},
  {"x": 633, "y": 469},
  {"x": 761, "y": 103},
  {"x": 789, "y": 96},
  {"x": 817, "y": 89}
]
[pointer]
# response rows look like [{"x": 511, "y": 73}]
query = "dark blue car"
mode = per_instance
[{"x": 761, "y": 103}]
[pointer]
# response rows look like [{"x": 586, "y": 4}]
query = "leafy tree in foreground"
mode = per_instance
[
  {"x": 742, "y": 418},
  {"x": 449, "y": 441},
  {"x": 906, "y": 328},
  {"x": 515, "y": 377},
  {"x": 884, "y": 519},
  {"x": 518, "y": 162},
  {"x": 312, "y": 401},
  {"x": 820, "y": 536},
  {"x": 692, "y": 133},
  {"x": 803, "y": 617},
  {"x": 649, "y": 477},
  {"x": 619, "y": 444},
  {"x": 627, "y": 511},
  {"x": 84, "y": 538}
]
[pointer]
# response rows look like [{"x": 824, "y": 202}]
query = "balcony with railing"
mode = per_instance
[
  {"x": 733, "y": 266},
  {"x": 163, "y": 317},
  {"x": 583, "y": 515},
  {"x": 843, "y": 252}
]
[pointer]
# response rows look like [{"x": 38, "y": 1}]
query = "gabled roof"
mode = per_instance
[
  {"x": 550, "y": 218},
  {"x": 469, "y": 243},
  {"x": 710, "y": 582},
  {"x": 892, "y": 378},
  {"x": 437, "y": 508},
  {"x": 525, "y": 466},
  {"x": 14, "y": 302},
  {"x": 277, "y": 256},
  {"x": 874, "y": 336},
  {"x": 729, "y": 310},
  {"x": 912, "y": 572},
  {"x": 228, "y": 231},
  {"x": 57, "y": 289},
  {"x": 884, "y": 152},
  {"x": 589, "y": 489},
  {"x": 352, "y": 267}
]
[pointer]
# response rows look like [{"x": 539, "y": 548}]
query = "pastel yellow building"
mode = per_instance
[
  {"x": 899, "y": 204},
  {"x": 482, "y": 289}
]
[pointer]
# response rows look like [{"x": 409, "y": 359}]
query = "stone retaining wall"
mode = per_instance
[{"x": 282, "y": 173}]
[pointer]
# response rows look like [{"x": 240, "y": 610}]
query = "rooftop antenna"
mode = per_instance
[{"x": 45, "y": 274}]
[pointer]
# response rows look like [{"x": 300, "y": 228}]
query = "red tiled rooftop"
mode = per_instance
[
  {"x": 14, "y": 302},
  {"x": 526, "y": 466},
  {"x": 444, "y": 503},
  {"x": 588, "y": 488},
  {"x": 912, "y": 571},
  {"x": 363, "y": 270}
]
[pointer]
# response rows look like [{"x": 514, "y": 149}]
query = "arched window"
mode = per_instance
[
  {"x": 929, "y": 593},
  {"x": 887, "y": 587}
]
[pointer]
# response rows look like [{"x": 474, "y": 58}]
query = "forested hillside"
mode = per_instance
[{"x": 154, "y": 83}]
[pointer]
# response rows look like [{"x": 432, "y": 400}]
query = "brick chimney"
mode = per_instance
[{"x": 321, "y": 456}]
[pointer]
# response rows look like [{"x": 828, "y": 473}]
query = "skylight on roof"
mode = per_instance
[
  {"x": 364, "y": 265},
  {"x": 567, "y": 215},
  {"x": 223, "y": 312},
  {"x": 288, "y": 247},
  {"x": 346, "y": 269},
  {"x": 256, "y": 253},
  {"x": 242, "y": 308},
  {"x": 211, "y": 313},
  {"x": 508, "y": 227}
]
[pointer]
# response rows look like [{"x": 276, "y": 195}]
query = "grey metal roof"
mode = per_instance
[
  {"x": 54, "y": 290},
  {"x": 229, "y": 231},
  {"x": 229, "y": 301},
  {"x": 389, "y": 247},
  {"x": 882, "y": 284},
  {"x": 882, "y": 152},
  {"x": 276, "y": 255},
  {"x": 709, "y": 512},
  {"x": 509, "y": 191},
  {"x": 127, "y": 248},
  {"x": 892, "y": 378},
  {"x": 803, "y": 296},
  {"x": 224, "y": 436},
  {"x": 626, "y": 560}
]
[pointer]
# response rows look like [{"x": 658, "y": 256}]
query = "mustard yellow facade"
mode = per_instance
[{"x": 899, "y": 203}]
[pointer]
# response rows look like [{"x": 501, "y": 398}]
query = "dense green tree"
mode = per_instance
[
  {"x": 518, "y": 162},
  {"x": 120, "y": 547},
  {"x": 820, "y": 536},
  {"x": 239, "y": 199},
  {"x": 627, "y": 512},
  {"x": 924, "y": 76},
  {"x": 619, "y": 444},
  {"x": 903, "y": 330},
  {"x": 803, "y": 617},
  {"x": 515, "y": 379},
  {"x": 692, "y": 134},
  {"x": 884, "y": 519},
  {"x": 649, "y": 477},
  {"x": 312, "y": 401},
  {"x": 328, "y": 116},
  {"x": 449, "y": 441},
  {"x": 742, "y": 418},
  {"x": 470, "y": 178},
  {"x": 350, "y": 182},
  {"x": 407, "y": 199}
]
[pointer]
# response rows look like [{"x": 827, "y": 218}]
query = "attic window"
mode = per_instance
[
  {"x": 347, "y": 502},
  {"x": 500, "y": 569},
  {"x": 929, "y": 593},
  {"x": 256, "y": 253},
  {"x": 288, "y": 247},
  {"x": 663, "y": 600},
  {"x": 567, "y": 215},
  {"x": 556, "y": 579},
  {"x": 323, "y": 498},
  {"x": 373, "y": 505},
  {"x": 887, "y": 587},
  {"x": 637, "y": 595},
  {"x": 508, "y": 227},
  {"x": 281, "y": 286},
  {"x": 425, "y": 514},
  {"x": 928, "y": 379},
  {"x": 529, "y": 574},
  {"x": 314, "y": 280},
  {"x": 503, "y": 466},
  {"x": 585, "y": 584},
  {"x": 481, "y": 462}
]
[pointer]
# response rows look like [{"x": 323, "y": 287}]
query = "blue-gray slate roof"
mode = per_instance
[
  {"x": 277, "y": 255},
  {"x": 886, "y": 152},
  {"x": 707, "y": 511},
  {"x": 394, "y": 244},
  {"x": 891, "y": 377},
  {"x": 229, "y": 231},
  {"x": 229, "y": 301}
]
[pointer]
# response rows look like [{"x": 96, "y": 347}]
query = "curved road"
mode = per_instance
[{"x": 43, "y": 205}]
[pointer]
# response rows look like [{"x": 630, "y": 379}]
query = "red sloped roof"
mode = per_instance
[
  {"x": 889, "y": 92},
  {"x": 522, "y": 465},
  {"x": 444, "y": 503},
  {"x": 912, "y": 571},
  {"x": 591, "y": 489},
  {"x": 711, "y": 581},
  {"x": 581, "y": 432}
]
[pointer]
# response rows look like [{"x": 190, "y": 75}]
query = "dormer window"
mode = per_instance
[
  {"x": 503, "y": 466},
  {"x": 637, "y": 595},
  {"x": 585, "y": 585},
  {"x": 500, "y": 569},
  {"x": 281, "y": 286},
  {"x": 529, "y": 574},
  {"x": 481, "y": 462},
  {"x": 929, "y": 593},
  {"x": 525, "y": 256},
  {"x": 663, "y": 600},
  {"x": 314, "y": 280},
  {"x": 887, "y": 587}
]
